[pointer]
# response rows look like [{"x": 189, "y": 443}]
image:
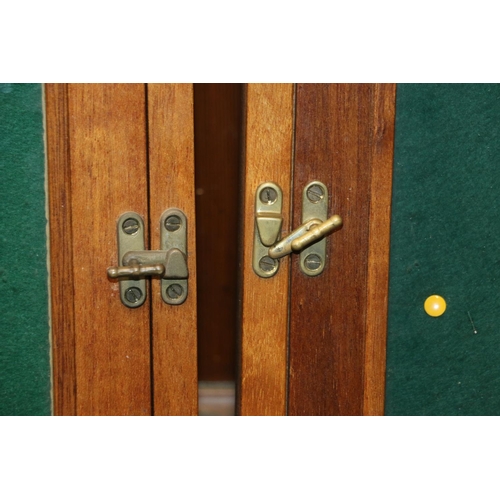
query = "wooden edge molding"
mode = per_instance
[
  {"x": 379, "y": 243},
  {"x": 344, "y": 138},
  {"x": 60, "y": 250}
]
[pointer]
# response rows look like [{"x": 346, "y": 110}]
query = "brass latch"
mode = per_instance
[
  {"x": 169, "y": 263},
  {"x": 308, "y": 238}
]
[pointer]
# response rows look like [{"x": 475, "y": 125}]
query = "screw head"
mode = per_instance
[
  {"x": 172, "y": 223},
  {"x": 133, "y": 294},
  {"x": 268, "y": 264},
  {"x": 130, "y": 226},
  {"x": 315, "y": 193},
  {"x": 268, "y": 195},
  {"x": 175, "y": 291},
  {"x": 312, "y": 262}
]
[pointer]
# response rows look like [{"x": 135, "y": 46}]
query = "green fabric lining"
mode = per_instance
[
  {"x": 24, "y": 324},
  {"x": 445, "y": 240}
]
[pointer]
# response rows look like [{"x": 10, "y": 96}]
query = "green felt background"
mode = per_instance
[
  {"x": 24, "y": 324},
  {"x": 445, "y": 240}
]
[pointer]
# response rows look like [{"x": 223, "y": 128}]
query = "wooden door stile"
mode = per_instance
[
  {"x": 379, "y": 244},
  {"x": 171, "y": 178},
  {"x": 97, "y": 171},
  {"x": 269, "y": 111},
  {"x": 344, "y": 139}
]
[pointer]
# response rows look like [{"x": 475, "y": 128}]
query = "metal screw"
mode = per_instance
[
  {"x": 268, "y": 195},
  {"x": 133, "y": 294},
  {"x": 312, "y": 262},
  {"x": 315, "y": 193},
  {"x": 130, "y": 226},
  {"x": 267, "y": 264},
  {"x": 172, "y": 223},
  {"x": 175, "y": 291}
]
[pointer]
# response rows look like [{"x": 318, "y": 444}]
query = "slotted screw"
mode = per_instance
[
  {"x": 130, "y": 226},
  {"x": 312, "y": 262},
  {"x": 133, "y": 294},
  {"x": 172, "y": 223},
  {"x": 267, "y": 264},
  {"x": 268, "y": 195},
  {"x": 175, "y": 291},
  {"x": 315, "y": 193}
]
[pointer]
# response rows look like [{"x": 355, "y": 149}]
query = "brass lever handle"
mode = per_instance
[
  {"x": 136, "y": 270},
  {"x": 305, "y": 235},
  {"x": 169, "y": 264}
]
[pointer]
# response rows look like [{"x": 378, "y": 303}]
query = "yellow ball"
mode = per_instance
[{"x": 435, "y": 305}]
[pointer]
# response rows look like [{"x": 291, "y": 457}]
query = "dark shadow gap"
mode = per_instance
[{"x": 217, "y": 125}]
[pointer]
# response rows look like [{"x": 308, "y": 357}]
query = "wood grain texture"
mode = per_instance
[
  {"x": 107, "y": 137},
  {"x": 217, "y": 113},
  {"x": 338, "y": 137},
  {"x": 379, "y": 243},
  {"x": 171, "y": 177},
  {"x": 264, "y": 307},
  {"x": 61, "y": 250}
]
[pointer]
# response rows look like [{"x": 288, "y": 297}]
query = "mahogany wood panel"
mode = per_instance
[
  {"x": 171, "y": 177},
  {"x": 379, "y": 244},
  {"x": 107, "y": 143},
  {"x": 343, "y": 136},
  {"x": 269, "y": 118},
  {"x": 61, "y": 250},
  {"x": 217, "y": 114}
]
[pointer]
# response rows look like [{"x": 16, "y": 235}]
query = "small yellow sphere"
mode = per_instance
[{"x": 435, "y": 305}]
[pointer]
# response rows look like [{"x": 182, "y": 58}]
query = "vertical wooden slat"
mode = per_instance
[
  {"x": 107, "y": 137},
  {"x": 61, "y": 250},
  {"x": 171, "y": 177},
  {"x": 264, "y": 308},
  {"x": 217, "y": 113},
  {"x": 379, "y": 243},
  {"x": 329, "y": 315}
]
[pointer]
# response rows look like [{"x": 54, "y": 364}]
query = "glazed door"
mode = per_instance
[
  {"x": 315, "y": 345},
  {"x": 114, "y": 149}
]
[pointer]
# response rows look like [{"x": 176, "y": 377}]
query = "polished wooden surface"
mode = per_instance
[
  {"x": 264, "y": 302},
  {"x": 379, "y": 244},
  {"x": 342, "y": 139},
  {"x": 217, "y": 113},
  {"x": 107, "y": 143},
  {"x": 98, "y": 141},
  {"x": 99, "y": 145},
  {"x": 61, "y": 250},
  {"x": 171, "y": 179}
]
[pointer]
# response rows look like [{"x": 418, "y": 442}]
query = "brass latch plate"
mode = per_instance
[
  {"x": 173, "y": 236},
  {"x": 135, "y": 263},
  {"x": 314, "y": 206},
  {"x": 267, "y": 228}
]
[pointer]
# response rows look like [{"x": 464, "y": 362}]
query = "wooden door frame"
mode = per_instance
[
  {"x": 165, "y": 134},
  {"x": 266, "y": 373}
]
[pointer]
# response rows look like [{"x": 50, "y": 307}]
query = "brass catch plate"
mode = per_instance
[
  {"x": 267, "y": 228},
  {"x": 173, "y": 235}
]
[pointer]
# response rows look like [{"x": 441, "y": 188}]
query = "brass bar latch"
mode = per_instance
[
  {"x": 308, "y": 239},
  {"x": 308, "y": 233},
  {"x": 169, "y": 263}
]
